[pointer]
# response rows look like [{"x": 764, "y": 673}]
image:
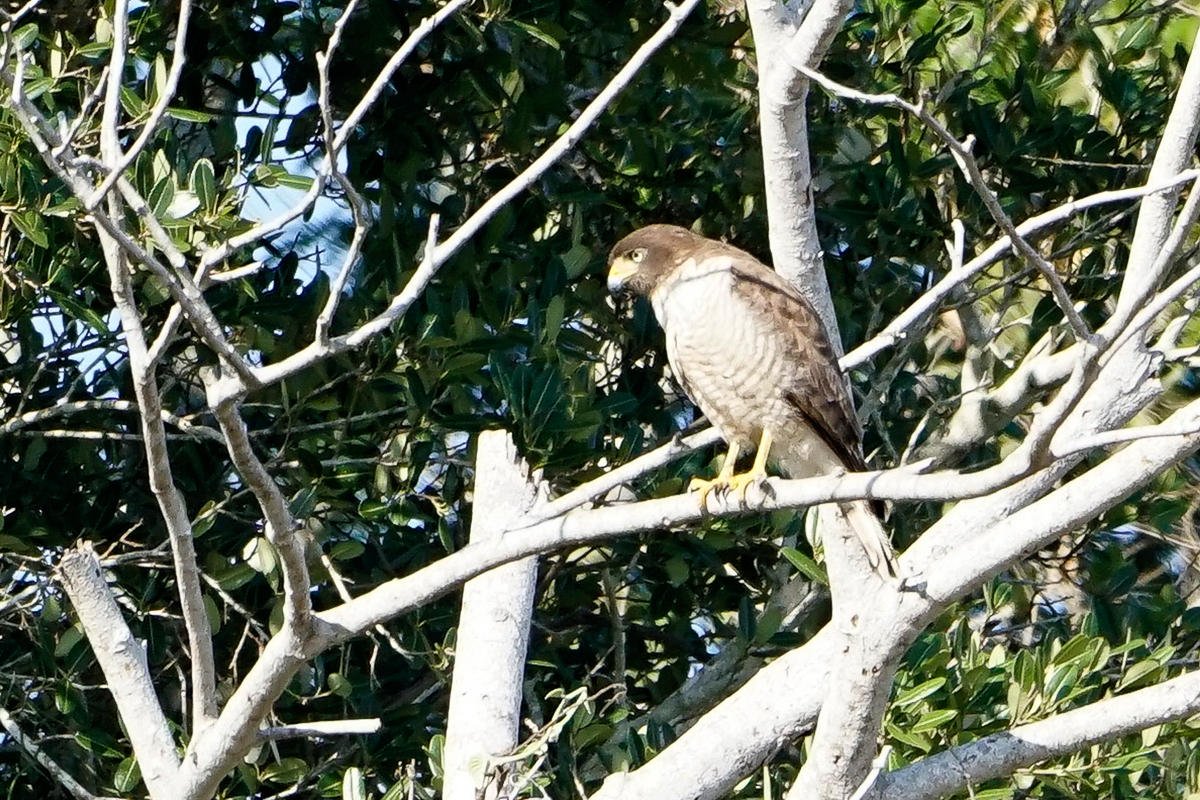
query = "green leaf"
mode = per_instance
[
  {"x": 33, "y": 226},
  {"x": 182, "y": 207},
  {"x": 339, "y": 685},
  {"x": 235, "y": 576},
  {"x": 922, "y": 743},
  {"x": 555, "y": 313},
  {"x": 64, "y": 209},
  {"x": 299, "y": 182},
  {"x": 81, "y": 312},
  {"x": 288, "y": 770},
  {"x": 213, "y": 613},
  {"x": 159, "y": 74},
  {"x": 346, "y": 550},
  {"x": 203, "y": 182},
  {"x": 576, "y": 260},
  {"x": 205, "y": 519},
  {"x": 536, "y": 32},
  {"x": 37, "y": 87},
  {"x": 25, "y": 35},
  {"x": 260, "y": 555},
  {"x": 162, "y": 194},
  {"x": 398, "y": 791},
  {"x": 133, "y": 105},
  {"x": 677, "y": 571},
  {"x": 806, "y": 566},
  {"x": 303, "y": 502},
  {"x": 95, "y": 49},
  {"x": 127, "y": 776},
  {"x": 934, "y": 720},
  {"x": 591, "y": 734},
  {"x": 354, "y": 784},
  {"x": 747, "y": 619},
  {"x": 1136, "y": 673},
  {"x": 67, "y": 641},
  {"x": 919, "y": 692},
  {"x": 190, "y": 115}
]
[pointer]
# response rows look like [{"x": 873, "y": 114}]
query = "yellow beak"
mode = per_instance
[{"x": 621, "y": 270}]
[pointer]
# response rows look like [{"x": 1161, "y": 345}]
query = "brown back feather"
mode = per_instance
[{"x": 816, "y": 388}]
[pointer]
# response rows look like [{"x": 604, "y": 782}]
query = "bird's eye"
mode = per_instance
[{"x": 638, "y": 255}]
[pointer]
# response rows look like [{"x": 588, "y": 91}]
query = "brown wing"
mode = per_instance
[{"x": 815, "y": 387}]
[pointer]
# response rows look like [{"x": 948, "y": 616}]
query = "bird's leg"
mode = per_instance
[
  {"x": 739, "y": 484},
  {"x": 723, "y": 480},
  {"x": 727, "y": 481}
]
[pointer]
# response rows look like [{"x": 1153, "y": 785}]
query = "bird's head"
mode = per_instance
[{"x": 645, "y": 257}]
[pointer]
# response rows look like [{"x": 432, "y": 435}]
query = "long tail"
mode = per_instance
[{"x": 880, "y": 553}]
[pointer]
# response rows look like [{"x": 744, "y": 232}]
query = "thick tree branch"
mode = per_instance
[
  {"x": 864, "y": 661},
  {"x": 1143, "y": 272},
  {"x": 322, "y": 729},
  {"x": 785, "y": 697},
  {"x": 737, "y": 736},
  {"x": 486, "y": 689},
  {"x": 170, "y": 501},
  {"x": 123, "y": 661},
  {"x": 782, "y": 40},
  {"x": 217, "y": 748}
]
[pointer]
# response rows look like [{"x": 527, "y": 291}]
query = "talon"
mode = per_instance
[
  {"x": 704, "y": 488},
  {"x": 720, "y": 483},
  {"x": 740, "y": 484},
  {"x": 727, "y": 482}
]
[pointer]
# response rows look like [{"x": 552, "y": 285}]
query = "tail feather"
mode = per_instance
[{"x": 880, "y": 553}]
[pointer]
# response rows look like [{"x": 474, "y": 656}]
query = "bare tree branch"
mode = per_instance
[
  {"x": 970, "y": 168},
  {"x": 30, "y": 418},
  {"x": 280, "y": 526},
  {"x": 928, "y": 302},
  {"x": 1175, "y": 152},
  {"x": 487, "y": 686},
  {"x": 49, "y": 764},
  {"x": 181, "y": 286},
  {"x": 322, "y": 729},
  {"x": 436, "y": 256},
  {"x": 123, "y": 661},
  {"x": 328, "y": 166},
  {"x": 1002, "y": 754}
]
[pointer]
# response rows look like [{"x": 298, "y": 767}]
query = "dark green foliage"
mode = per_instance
[{"x": 374, "y": 447}]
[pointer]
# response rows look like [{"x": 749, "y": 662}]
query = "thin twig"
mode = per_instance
[
  {"x": 435, "y": 257},
  {"x": 81, "y": 406},
  {"x": 37, "y": 754},
  {"x": 325, "y": 171},
  {"x": 280, "y": 526},
  {"x": 322, "y": 729},
  {"x": 927, "y": 302}
]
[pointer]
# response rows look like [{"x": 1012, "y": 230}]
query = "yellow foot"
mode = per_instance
[{"x": 724, "y": 485}]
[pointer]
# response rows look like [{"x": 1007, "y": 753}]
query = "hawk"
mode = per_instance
[{"x": 752, "y": 353}]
